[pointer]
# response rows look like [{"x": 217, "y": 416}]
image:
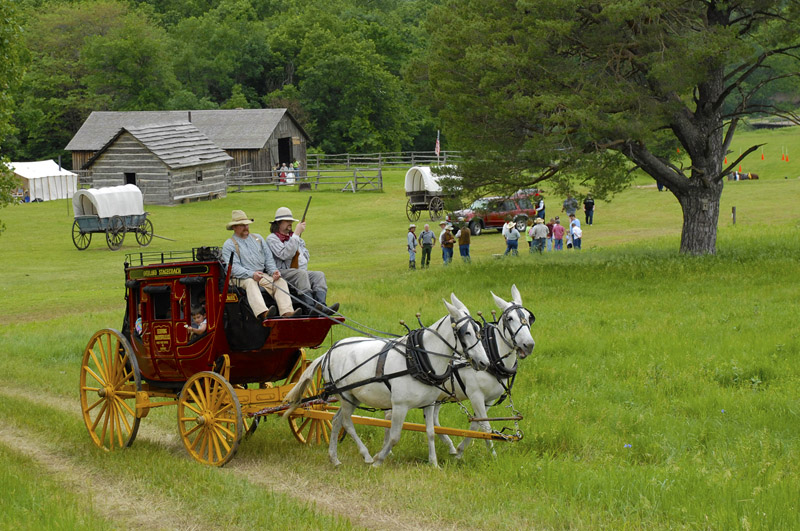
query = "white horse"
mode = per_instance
[
  {"x": 512, "y": 339},
  {"x": 378, "y": 373}
]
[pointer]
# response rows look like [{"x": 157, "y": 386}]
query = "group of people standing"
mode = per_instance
[
  {"x": 275, "y": 263},
  {"x": 447, "y": 241},
  {"x": 553, "y": 236}
]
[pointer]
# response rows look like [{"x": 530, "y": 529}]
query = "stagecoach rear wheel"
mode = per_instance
[
  {"x": 309, "y": 430},
  {"x": 411, "y": 213},
  {"x": 144, "y": 233},
  {"x": 435, "y": 208},
  {"x": 210, "y": 419},
  {"x": 79, "y": 238},
  {"x": 108, "y": 384},
  {"x": 115, "y": 233}
]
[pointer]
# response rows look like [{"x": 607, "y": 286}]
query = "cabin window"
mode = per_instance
[
  {"x": 130, "y": 178},
  {"x": 199, "y": 175}
]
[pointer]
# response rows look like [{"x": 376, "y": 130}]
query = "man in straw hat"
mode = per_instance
[
  {"x": 411, "y": 240},
  {"x": 539, "y": 233},
  {"x": 291, "y": 257},
  {"x": 253, "y": 266}
]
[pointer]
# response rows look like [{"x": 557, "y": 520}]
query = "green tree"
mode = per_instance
[
  {"x": 567, "y": 90},
  {"x": 11, "y": 68}
]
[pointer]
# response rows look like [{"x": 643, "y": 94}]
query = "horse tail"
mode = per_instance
[{"x": 294, "y": 396}]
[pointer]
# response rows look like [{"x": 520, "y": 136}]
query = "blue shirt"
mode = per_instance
[{"x": 252, "y": 255}]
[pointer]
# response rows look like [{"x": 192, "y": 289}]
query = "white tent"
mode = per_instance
[
  {"x": 421, "y": 178},
  {"x": 125, "y": 200},
  {"x": 44, "y": 180}
]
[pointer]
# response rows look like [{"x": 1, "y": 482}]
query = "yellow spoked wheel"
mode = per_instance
[
  {"x": 309, "y": 430},
  {"x": 210, "y": 419},
  {"x": 109, "y": 382}
]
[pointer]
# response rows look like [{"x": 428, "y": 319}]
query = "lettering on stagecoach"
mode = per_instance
[
  {"x": 155, "y": 272},
  {"x": 162, "y": 337}
]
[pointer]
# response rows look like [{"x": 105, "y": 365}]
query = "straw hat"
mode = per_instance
[
  {"x": 538, "y": 220},
  {"x": 238, "y": 217},
  {"x": 283, "y": 213}
]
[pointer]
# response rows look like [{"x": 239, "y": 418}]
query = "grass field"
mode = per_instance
[{"x": 662, "y": 392}]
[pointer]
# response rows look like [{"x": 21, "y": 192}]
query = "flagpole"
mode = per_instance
[{"x": 437, "y": 147}]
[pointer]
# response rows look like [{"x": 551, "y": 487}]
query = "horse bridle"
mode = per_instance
[{"x": 505, "y": 320}]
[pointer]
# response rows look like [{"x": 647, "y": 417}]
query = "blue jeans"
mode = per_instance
[
  {"x": 511, "y": 246},
  {"x": 464, "y": 250},
  {"x": 447, "y": 254},
  {"x": 558, "y": 244},
  {"x": 576, "y": 243},
  {"x": 549, "y": 244},
  {"x": 589, "y": 216},
  {"x": 538, "y": 244}
]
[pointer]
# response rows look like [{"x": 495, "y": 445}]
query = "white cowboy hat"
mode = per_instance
[
  {"x": 412, "y": 226},
  {"x": 283, "y": 213},
  {"x": 449, "y": 227},
  {"x": 238, "y": 217}
]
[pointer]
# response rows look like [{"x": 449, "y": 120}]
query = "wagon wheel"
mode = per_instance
[
  {"x": 210, "y": 419},
  {"x": 411, "y": 213},
  {"x": 109, "y": 382},
  {"x": 310, "y": 430},
  {"x": 144, "y": 233},
  {"x": 115, "y": 233},
  {"x": 435, "y": 208},
  {"x": 79, "y": 238}
]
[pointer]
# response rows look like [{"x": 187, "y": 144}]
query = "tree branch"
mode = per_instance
[{"x": 732, "y": 165}]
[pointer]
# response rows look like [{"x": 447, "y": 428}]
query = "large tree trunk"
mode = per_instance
[{"x": 700, "y": 205}]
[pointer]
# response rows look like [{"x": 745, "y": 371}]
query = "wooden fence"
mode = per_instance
[
  {"x": 241, "y": 179},
  {"x": 373, "y": 160}
]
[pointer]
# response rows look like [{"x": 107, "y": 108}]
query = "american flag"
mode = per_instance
[{"x": 436, "y": 149}]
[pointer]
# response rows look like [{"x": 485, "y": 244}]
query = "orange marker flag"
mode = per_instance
[
  {"x": 726, "y": 160},
  {"x": 740, "y": 168},
  {"x": 762, "y": 156}
]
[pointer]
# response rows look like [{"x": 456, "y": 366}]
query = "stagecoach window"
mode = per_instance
[{"x": 160, "y": 301}]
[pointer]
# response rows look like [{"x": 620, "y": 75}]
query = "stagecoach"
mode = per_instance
[
  {"x": 424, "y": 192},
  {"x": 221, "y": 382},
  {"x": 114, "y": 211}
]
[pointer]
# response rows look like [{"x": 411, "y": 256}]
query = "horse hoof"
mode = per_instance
[{"x": 368, "y": 460}]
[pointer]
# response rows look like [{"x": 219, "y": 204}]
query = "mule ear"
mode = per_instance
[
  {"x": 457, "y": 302},
  {"x": 454, "y": 312},
  {"x": 500, "y": 302},
  {"x": 515, "y": 296}
]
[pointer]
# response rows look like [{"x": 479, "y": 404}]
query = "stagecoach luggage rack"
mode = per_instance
[{"x": 197, "y": 254}]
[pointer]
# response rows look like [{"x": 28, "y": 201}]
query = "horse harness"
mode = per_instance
[
  {"x": 418, "y": 362},
  {"x": 496, "y": 366}
]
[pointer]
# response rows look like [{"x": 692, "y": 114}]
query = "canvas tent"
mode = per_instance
[{"x": 44, "y": 180}]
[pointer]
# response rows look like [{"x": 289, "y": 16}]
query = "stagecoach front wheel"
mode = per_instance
[
  {"x": 109, "y": 382},
  {"x": 435, "y": 208},
  {"x": 210, "y": 419},
  {"x": 115, "y": 233},
  {"x": 411, "y": 213},
  {"x": 306, "y": 429},
  {"x": 79, "y": 238},
  {"x": 144, "y": 233}
]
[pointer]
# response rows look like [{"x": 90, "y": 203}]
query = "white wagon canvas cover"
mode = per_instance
[
  {"x": 422, "y": 179},
  {"x": 123, "y": 200}
]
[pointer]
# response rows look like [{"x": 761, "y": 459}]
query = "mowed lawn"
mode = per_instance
[{"x": 662, "y": 391}]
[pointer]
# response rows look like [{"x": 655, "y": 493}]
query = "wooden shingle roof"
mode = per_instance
[
  {"x": 228, "y": 129},
  {"x": 178, "y": 145}
]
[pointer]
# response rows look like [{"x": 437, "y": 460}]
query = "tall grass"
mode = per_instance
[{"x": 662, "y": 391}]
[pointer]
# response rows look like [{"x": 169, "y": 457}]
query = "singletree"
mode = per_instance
[{"x": 569, "y": 89}]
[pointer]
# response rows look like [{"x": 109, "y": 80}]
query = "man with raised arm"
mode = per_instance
[
  {"x": 291, "y": 257},
  {"x": 253, "y": 266}
]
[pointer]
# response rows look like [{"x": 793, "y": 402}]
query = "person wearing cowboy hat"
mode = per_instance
[
  {"x": 539, "y": 233},
  {"x": 411, "y": 240},
  {"x": 291, "y": 256},
  {"x": 442, "y": 226},
  {"x": 253, "y": 266}
]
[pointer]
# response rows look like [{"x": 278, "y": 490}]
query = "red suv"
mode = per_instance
[{"x": 491, "y": 212}]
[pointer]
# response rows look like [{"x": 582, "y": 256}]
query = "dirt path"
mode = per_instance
[{"x": 119, "y": 504}]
